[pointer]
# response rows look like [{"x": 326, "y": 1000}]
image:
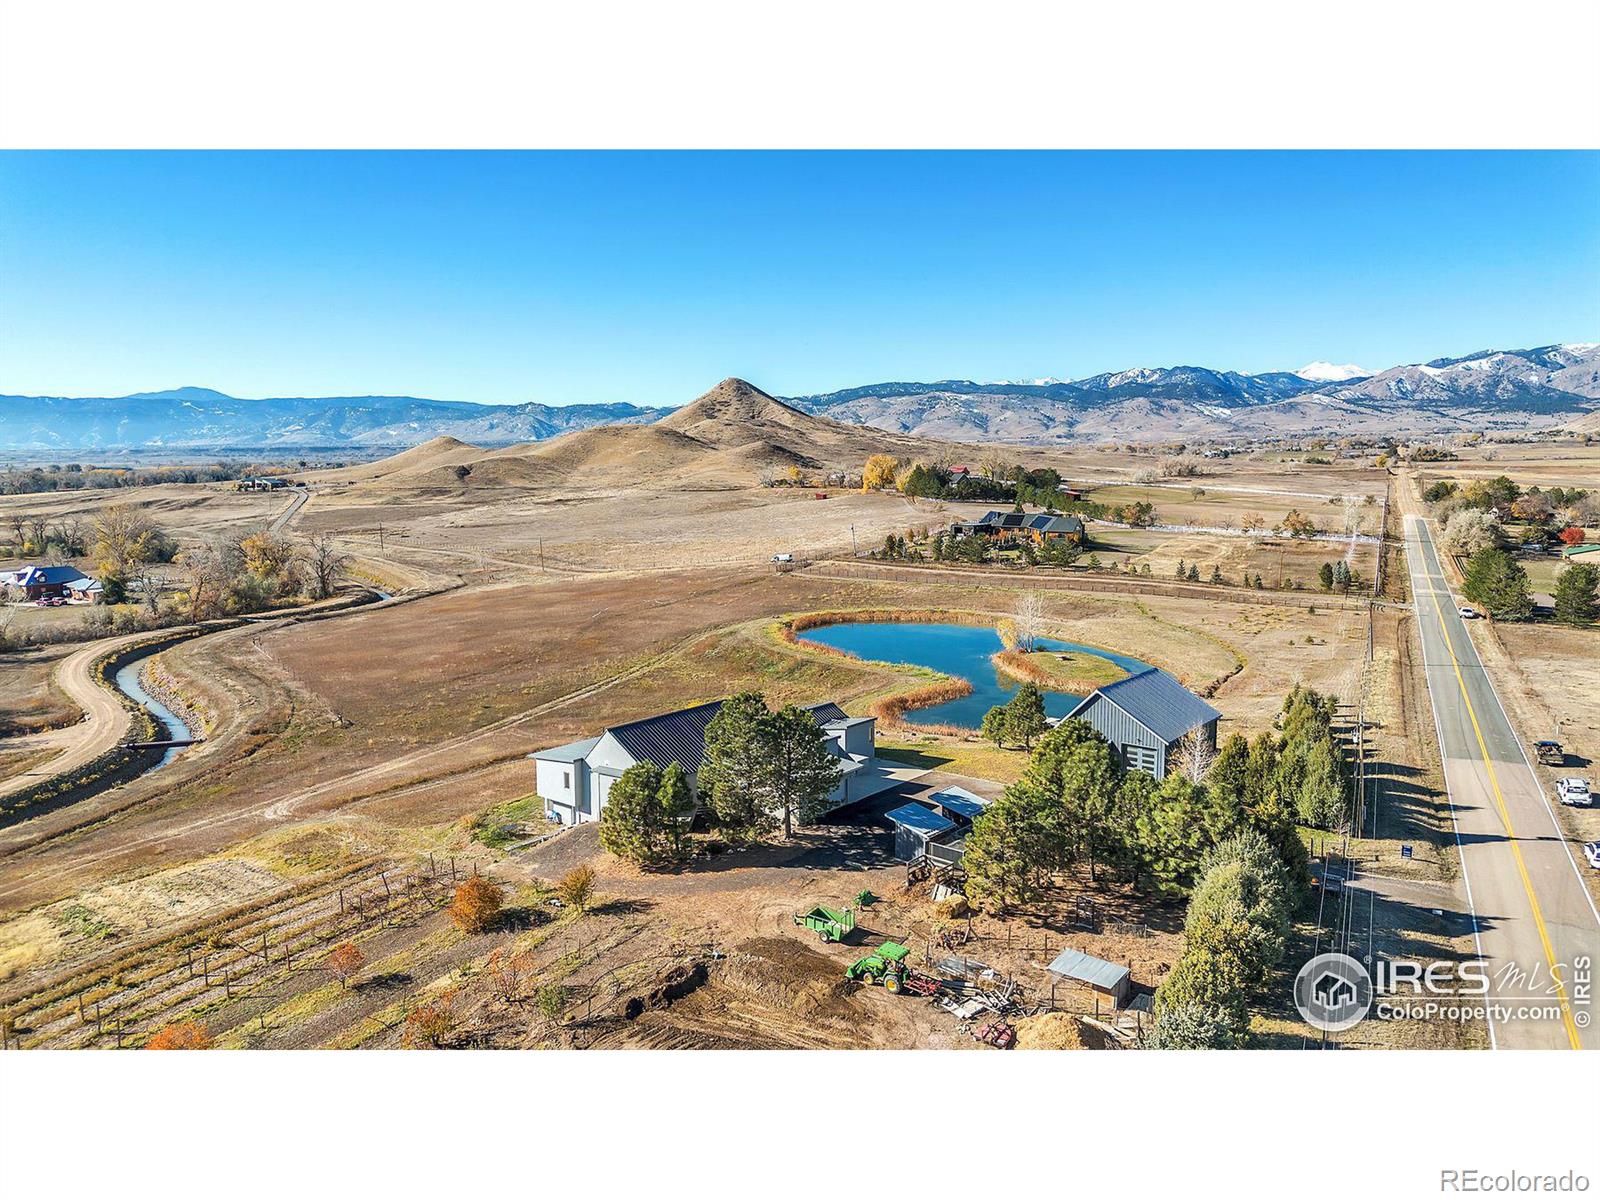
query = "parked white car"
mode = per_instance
[
  {"x": 1591, "y": 851},
  {"x": 1468, "y": 614},
  {"x": 1574, "y": 791},
  {"x": 783, "y": 558}
]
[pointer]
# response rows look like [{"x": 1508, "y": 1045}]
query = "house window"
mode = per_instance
[
  {"x": 1140, "y": 758},
  {"x": 566, "y": 780}
]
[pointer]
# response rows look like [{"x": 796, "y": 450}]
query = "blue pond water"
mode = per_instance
[{"x": 960, "y": 650}]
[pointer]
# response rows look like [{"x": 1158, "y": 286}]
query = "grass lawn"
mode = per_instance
[
  {"x": 1073, "y": 671},
  {"x": 514, "y": 821},
  {"x": 978, "y": 760}
]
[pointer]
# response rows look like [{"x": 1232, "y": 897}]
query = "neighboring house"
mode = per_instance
[
  {"x": 1040, "y": 527},
  {"x": 86, "y": 588},
  {"x": 960, "y": 474},
  {"x": 574, "y": 780},
  {"x": 1145, "y": 716},
  {"x": 46, "y": 583},
  {"x": 261, "y": 484}
]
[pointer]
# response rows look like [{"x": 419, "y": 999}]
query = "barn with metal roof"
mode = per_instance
[{"x": 1145, "y": 716}]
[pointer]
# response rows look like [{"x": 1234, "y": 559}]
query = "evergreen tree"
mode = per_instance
[
  {"x": 1325, "y": 576},
  {"x": 1005, "y": 850},
  {"x": 1498, "y": 582},
  {"x": 994, "y": 725},
  {"x": 1072, "y": 783},
  {"x": 630, "y": 823},
  {"x": 1025, "y": 715},
  {"x": 1193, "y": 1027},
  {"x": 733, "y": 770},
  {"x": 675, "y": 799},
  {"x": 800, "y": 772},
  {"x": 1575, "y": 594},
  {"x": 1171, "y": 836}
]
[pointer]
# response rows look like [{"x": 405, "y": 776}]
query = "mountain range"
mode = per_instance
[{"x": 1492, "y": 390}]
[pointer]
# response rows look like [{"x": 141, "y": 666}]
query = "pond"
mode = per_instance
[{"x": 960, "y": 650}]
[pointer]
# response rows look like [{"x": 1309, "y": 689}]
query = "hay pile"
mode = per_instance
[{"x": 1058, "y": 1031}]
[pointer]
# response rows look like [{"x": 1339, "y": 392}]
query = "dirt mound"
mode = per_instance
[
  {"x": 1058, "y": 1031},
  {"x": 783, "y": 972}
]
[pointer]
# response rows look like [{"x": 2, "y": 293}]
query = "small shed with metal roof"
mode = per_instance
[
  {"x": 1109, "y": 979},
  {"x": 914, "y": 826}
]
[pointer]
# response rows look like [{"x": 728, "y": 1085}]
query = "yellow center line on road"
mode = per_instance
[{"x": 1516, "y": 850}]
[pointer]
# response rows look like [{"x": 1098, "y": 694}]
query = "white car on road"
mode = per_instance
[
  {"x": 1591, "y": 851},
  {"x": 1574, "y": 791},
  {"x": 1468, "y": 614}
]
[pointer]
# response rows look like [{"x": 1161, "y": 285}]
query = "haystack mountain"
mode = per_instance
[{"x": 1509, "y": 390}]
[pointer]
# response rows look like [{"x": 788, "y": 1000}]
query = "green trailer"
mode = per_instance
[{"x": 830, "y": 924}]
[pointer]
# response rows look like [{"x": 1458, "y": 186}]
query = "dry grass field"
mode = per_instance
[{"x": 348, "y": 761}]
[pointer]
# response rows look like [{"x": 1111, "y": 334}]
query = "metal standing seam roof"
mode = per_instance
[
  {"x": 571, "y": 752},
  {"x": 38, "y": 576},
  {"x": 959, "y": 800},
  {"x": 1157, "y": 701},
  {"x": 1086, "y": 968},
  {"x": 1049, "y": 523},
  {"x": 924, "y": 820},
  {"x": 675, "y": 737},
  {"x": 826, "y": 712}
]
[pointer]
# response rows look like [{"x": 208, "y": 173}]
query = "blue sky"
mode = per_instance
[{"x": 504, "y": 277}]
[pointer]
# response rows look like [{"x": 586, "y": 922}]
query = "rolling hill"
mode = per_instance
[{"x": 733, "y": 435}]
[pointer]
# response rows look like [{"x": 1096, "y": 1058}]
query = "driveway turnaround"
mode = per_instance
[{"x": 1536, "y": 925}]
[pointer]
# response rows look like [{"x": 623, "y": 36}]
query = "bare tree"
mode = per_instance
[
  {"x": 325, "y": 563},
  {"x": 1193, "y": 755},
  {"x": 1029, "y": 620}
]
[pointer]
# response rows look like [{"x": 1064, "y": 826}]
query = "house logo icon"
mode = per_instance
[{"x": 1333, "y": 992}]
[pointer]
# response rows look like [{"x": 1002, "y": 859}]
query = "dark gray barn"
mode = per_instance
[{"x": 1145, "y": 715}]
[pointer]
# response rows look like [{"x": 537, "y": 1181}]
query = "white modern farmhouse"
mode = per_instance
[{"x": 574, "y": 780}]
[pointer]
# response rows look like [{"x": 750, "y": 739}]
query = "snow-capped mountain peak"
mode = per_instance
[{"x": 1327, "y": 372}]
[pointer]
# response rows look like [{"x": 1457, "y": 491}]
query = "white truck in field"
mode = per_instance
[{"x": 1574, "y": 791}]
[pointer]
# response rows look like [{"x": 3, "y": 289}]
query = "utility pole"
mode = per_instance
[
  {"x": 853, "y": 551},
  {"x": 380, "y": 535},
  {"x": 541, "y": 554}
]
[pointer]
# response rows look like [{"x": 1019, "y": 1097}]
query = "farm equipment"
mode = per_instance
[
  {"x": 888, "y": 964},
  {"x": 999, "y": 1034},
  {"x": 830, "y": 924}
]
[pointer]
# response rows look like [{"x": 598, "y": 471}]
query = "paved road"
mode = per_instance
[
  {"x": 296, "y": 503},
  {"x": 1535, "y": 921}
]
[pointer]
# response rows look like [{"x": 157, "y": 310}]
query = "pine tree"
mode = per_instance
[
  {"x": 732, "y": 772},
  {"x": 1325, "y": 576},
  {"x": 1004, "y": 851},
  {"x": 994, "y": 725},
  {"x": 1575, "y": 594},
  {"x": 1025, "y": 715},
  {"x": 1500, "y": 583},
  {"x": 675, "y": 799},
  {"x": 630, "y": 823},
  {"x": 800, "y": 772}
]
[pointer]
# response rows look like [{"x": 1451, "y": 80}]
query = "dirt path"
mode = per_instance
[{"x": 104, "y": 723}]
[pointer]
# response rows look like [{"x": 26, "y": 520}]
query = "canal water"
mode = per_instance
[
  {"x": 960, "y": 650},
  {"x": 170, "y": 725}
]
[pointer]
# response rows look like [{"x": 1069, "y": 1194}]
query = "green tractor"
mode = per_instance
[{"x": 886, "y": 964}]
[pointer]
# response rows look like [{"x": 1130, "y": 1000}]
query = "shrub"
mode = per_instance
[
  {"x": 344, "y": 960},
  {"x": 476, "y": 904},
  {"x": 576, "y": 888},
  {"x": 181, "y": 1035}
]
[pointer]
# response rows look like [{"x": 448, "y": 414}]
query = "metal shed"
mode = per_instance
[
  {"x": 958, "y": 803},
  {"x": 914, "y": 824},
  {"x": 1104, "y": 978}
]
